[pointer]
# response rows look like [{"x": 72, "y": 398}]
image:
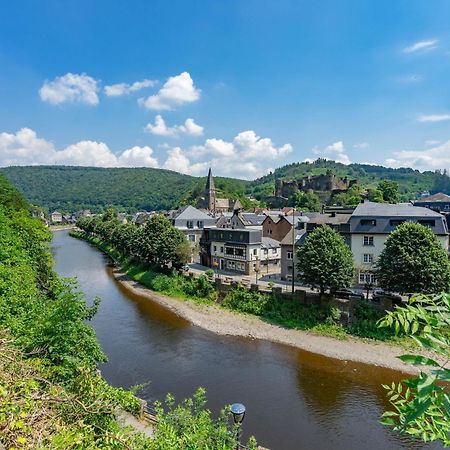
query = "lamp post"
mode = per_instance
[
  {"x": 256, "y": 269},
  {"x": 238, "y": 411},
  {"x": 293, "y": 250}
]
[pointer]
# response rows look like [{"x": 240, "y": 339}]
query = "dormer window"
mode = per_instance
[{"x": 368, "y": 222}]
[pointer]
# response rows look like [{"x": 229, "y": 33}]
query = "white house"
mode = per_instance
[{"x": 371, "y": 223}]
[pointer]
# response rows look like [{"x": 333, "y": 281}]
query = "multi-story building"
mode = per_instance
[
  {"x": 370, "y": 226},
  {"x": 242, "y": 250},
  {"x": 191, "y": 221}
]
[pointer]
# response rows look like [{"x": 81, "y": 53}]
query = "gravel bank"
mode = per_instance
[{"x": 224, "y": 322}]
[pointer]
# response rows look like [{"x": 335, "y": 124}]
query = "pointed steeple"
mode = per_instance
[
  {"x": 210, "y": 182},
  {"x": 210, "y": 192}
]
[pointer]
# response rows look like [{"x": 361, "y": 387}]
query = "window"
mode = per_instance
[
  {"x": 270, "y": 231},
  {"x": 191, "y": 237},
  {"x": 221, "y": 249},
  {"x": 368, "y": 241},
  {"x": 266, "y": 251},
  {"x": 199, "y": 223},
  {"x": 255, "y": 251},
  {"x": 447, "y": 207},
  {"x": 427, "y": 223},
  {"x": 274, "y": 251},
  {"x": 289, "y": 255},
  {"x": 190, "y": 224},
  {"x": 215, "y": 248},
  {"x": 368, "y": 222},
  {"x": 367, "y": 277},
  {"x": 395, "y": 222},
  {"x": 368, "y": 258}
]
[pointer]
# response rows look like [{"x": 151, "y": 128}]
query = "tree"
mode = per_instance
[
  {"x": 413, "y": 261},
  {"x": 352, "y": 197},
  {"x": 421, "y": 406},
  {"x": 325, "y": 260},
  {"x": 389, "y": 190},
  {"x": 306, "y": 201}
]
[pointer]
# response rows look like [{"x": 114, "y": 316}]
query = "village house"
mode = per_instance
[
  {"x": 191, "y": 221},
  {"x": 56, "y": 217},
  {"x": 241, "y": 219},
  {"x": 242, "y": 251},
  {"x": 370, "y": 226},
  {"x": 278, "y": 226}
]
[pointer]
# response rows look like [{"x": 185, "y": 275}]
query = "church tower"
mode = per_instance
[{"x": 210, "y": 193}]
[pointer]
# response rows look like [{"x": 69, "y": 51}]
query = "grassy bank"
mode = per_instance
[{"x": 323, "y": 320}]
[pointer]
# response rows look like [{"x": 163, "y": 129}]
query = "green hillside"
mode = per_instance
[
  {"x": 411, "y": 182},
  {"x": 131, "y": 189}
]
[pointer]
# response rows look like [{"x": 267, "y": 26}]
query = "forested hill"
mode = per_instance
[
  {"x": 130, "y": 189},
  {"x": 411, "y": 182},
  {"x": 74, "y": 188}
]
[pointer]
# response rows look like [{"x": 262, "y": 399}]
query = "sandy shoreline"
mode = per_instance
[{"x": 224, "y": 322}]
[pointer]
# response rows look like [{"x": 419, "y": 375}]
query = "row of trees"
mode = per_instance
[
  {"x": 412, "y": 261},
  {"x": 157, "y": 244}
]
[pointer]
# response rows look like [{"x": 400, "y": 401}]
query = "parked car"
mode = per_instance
[
  {"x": 347, "y": 293},
  {"x": 378, "y": 294}
]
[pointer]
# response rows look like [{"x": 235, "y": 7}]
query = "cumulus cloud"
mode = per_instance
[
  {"x": 159, "y": 128},
  {"x": 179, "y": 162},
  {"x": 25, "y": 148},
  {"x": 176, "y": 91},
  {"x": 246, "y": 156},
  {"x": 433, "y": 118},
  {"x": 70, "y": 88},
  {"x": 421, "y": 46},
  {"x": 434, "y": 158},
  {"x": 430, "y": 142},
  {"x": 335, "y": 152},
  {"x": 119, "y": 89},
  {"x": 361, "y": 145}
]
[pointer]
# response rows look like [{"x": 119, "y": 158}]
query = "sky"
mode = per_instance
[{"x": 243, "y": 86}]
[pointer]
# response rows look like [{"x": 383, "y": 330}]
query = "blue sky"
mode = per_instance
[{"x": 244, "y": 86}]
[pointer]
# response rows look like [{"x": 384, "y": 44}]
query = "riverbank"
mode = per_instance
[{"x": 227, "y": 323}]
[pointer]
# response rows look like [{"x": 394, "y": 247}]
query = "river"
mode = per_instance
[{"x": 295, "y": 400}]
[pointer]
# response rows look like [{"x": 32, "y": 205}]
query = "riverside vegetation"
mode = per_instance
[
  {"x": 152, "y": 254},
  {"x": 51, "y": 395}
]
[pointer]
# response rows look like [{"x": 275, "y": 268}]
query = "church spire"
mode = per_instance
[{"x": 210, "y": 192}]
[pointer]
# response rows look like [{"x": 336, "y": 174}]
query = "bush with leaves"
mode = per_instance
[{"x": 421, "y": 406}]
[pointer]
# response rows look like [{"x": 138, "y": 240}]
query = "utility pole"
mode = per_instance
[{"x": 293, "y": 250}]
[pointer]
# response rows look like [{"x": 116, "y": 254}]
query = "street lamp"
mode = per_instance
[{"x": 238, "y": 411}]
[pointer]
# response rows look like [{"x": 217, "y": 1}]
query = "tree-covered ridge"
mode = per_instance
[
  {"x": 411, "y": 182},
  {"x": 69, "y": 189}
]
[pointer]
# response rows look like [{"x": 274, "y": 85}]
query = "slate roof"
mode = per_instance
[
  {"x": 267, "y": 242},
  {"x": 387, "y": 216},
  {"x": 439, "y": 197},
  {"x": 300, "y": 236},
  {"x": 188, "y": 212}
]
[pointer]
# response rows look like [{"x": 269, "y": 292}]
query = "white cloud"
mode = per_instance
[
  {"x": 335, "y": 152},
  {"x": 433, "y": 118},
  {"x": 429, "y": 159},
  {"x": 432, "y": 142},
  {"x": 361, "y": 145},
  {"x": 179, "y": 162},
  {"x": 25, "y": 148},
  {"x": 176, "y": 91},
  {"x": 138, "y": 157},
  {"x": 70, "y": 88},
  {"x": 246, "y": 156},
  {"x": 116, "y": 90},
  {"x": 159, "y": 128},
  {"x": 421, "y": 46}
]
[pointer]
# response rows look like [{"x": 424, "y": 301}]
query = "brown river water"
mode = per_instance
[{"x": 295, "y": 400}]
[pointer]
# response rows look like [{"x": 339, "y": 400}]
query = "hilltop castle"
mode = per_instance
[
  {"x": 325, "y": 186},
  {"x": 215, "y": 205}
]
